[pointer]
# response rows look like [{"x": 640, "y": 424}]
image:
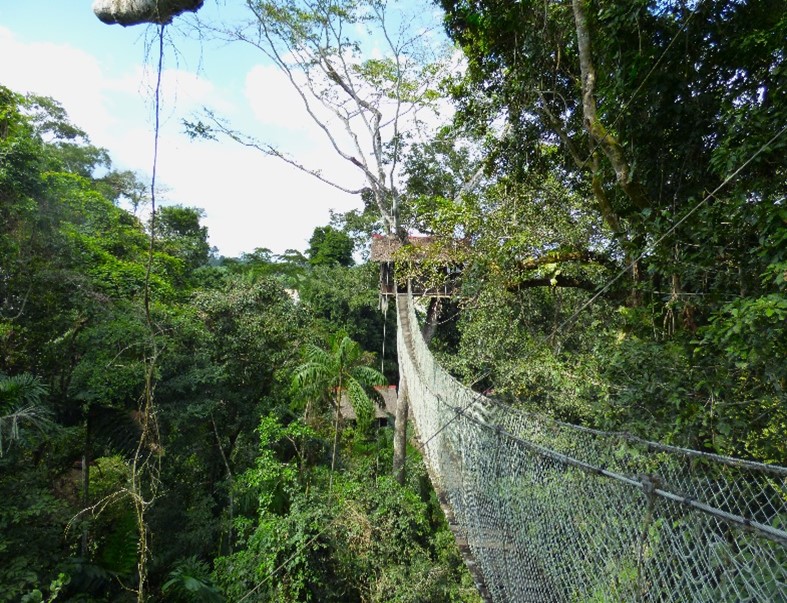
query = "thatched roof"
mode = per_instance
[
  {"x": 388, "y": 394},
  {"x": 384, "y": 247},
  {"x": 133, "y": 12}
]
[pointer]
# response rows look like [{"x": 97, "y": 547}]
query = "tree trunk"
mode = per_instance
[
  {"x": 337, "y": 422},
  {"x": 432, "y": 314},
  {"x": 86, "y": 457},
  {"x": 230, "y": 479},
  {"x": 400, "y": 432},
  {"x": 609, "y": 145}
]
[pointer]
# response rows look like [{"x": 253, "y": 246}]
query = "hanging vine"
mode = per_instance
[{"x": 145, "y": 465}]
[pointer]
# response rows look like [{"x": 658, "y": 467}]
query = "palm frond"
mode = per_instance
[
  {"x": 21, "y": 389},
  {"x": 20, "y": 404},
  {"x": 368, "y": 376},
  {"x": 349, "y": 351},
  {"x": 362, "y": 405},
  {"x": 340, "y": 366},
  {"x": 313, "y": 353},
  {"x": 28, "y": 414},
  {"x": 312, "y": 377}
]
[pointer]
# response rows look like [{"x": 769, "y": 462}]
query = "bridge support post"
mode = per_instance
[{"x": 400, "y": 433}]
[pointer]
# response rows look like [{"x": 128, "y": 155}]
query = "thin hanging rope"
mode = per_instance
[
  {"x": 149, "y": 436},
  {"x": 154, "y": 169},
  {"x": 297, "y": 552},
  {"x": 284, "y": 563}
]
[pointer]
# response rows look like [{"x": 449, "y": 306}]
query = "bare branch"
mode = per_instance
[
  {"x": 380, "y": 9},
  {"x": 583, "y": 257},
  {"x": 552, "y": 120},
  {"x": 269, "y": 149},
  {"x": 316, "y": 46},
  {"x": 284, "y": 67},
  {"x": 476, "y": 177}
]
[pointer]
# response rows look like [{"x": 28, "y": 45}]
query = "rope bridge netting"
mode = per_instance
[{"x": 559, "y": 513}]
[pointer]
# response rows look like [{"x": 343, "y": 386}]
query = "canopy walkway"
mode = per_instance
[{"x": 547, "y": 512}]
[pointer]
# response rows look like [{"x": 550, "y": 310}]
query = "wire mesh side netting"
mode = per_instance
[{"x": 554, "y": 512}]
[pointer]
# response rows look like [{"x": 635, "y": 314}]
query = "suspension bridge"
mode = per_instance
[{"x": 548, "y": 512}]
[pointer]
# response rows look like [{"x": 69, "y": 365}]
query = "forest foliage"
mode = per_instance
[
  {"x": 642, "y": 168},
  {"x": 624, "y": 266},
  {"x": 242, "y": 470}
]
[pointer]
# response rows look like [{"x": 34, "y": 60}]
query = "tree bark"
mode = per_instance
[
  {"x": 609, "y": 145},
  {"x": 337, "y": 423},
  {"x": 559, "y": 280},
  {"x": 231, "y": 500},
  {"x": 400, "y": 432},
  {"x": 86, "y": 458},
  {"x": 432, "y": 314}
]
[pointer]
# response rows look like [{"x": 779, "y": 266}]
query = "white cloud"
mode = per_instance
[
  {"x": 63, "y": 72},
  {"x": 181, "y": 91},
  {"x": 251, "y": 200},
  {"x": 273, "y": 100}
]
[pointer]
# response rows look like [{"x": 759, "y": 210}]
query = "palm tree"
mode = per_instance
[
  {"x": 326, "y": 374},
  {"x": 21, "y": 403}
]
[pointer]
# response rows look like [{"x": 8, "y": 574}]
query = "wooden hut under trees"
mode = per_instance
[
  {"x": 383, "y": 414},
  {"x": 432, "y": 265}
]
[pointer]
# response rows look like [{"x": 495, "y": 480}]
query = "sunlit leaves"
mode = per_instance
[{"x": 326, "y": 373}]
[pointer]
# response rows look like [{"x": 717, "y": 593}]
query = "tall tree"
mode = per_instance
[
  {"x": 368, "y": 109},
  {"x": 180, "y": 233},
  {"x": 637, "y": 105},
  {"x": 630, "y": 176},
  {"x": 329, "y": 246}
]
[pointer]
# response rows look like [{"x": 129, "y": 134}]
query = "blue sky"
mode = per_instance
[{"x": 103, "y": 75}]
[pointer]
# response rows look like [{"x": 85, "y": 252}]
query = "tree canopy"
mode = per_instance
[
  {"x": 329, "y": 246},
  {"x": 630, "y": 203}
]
